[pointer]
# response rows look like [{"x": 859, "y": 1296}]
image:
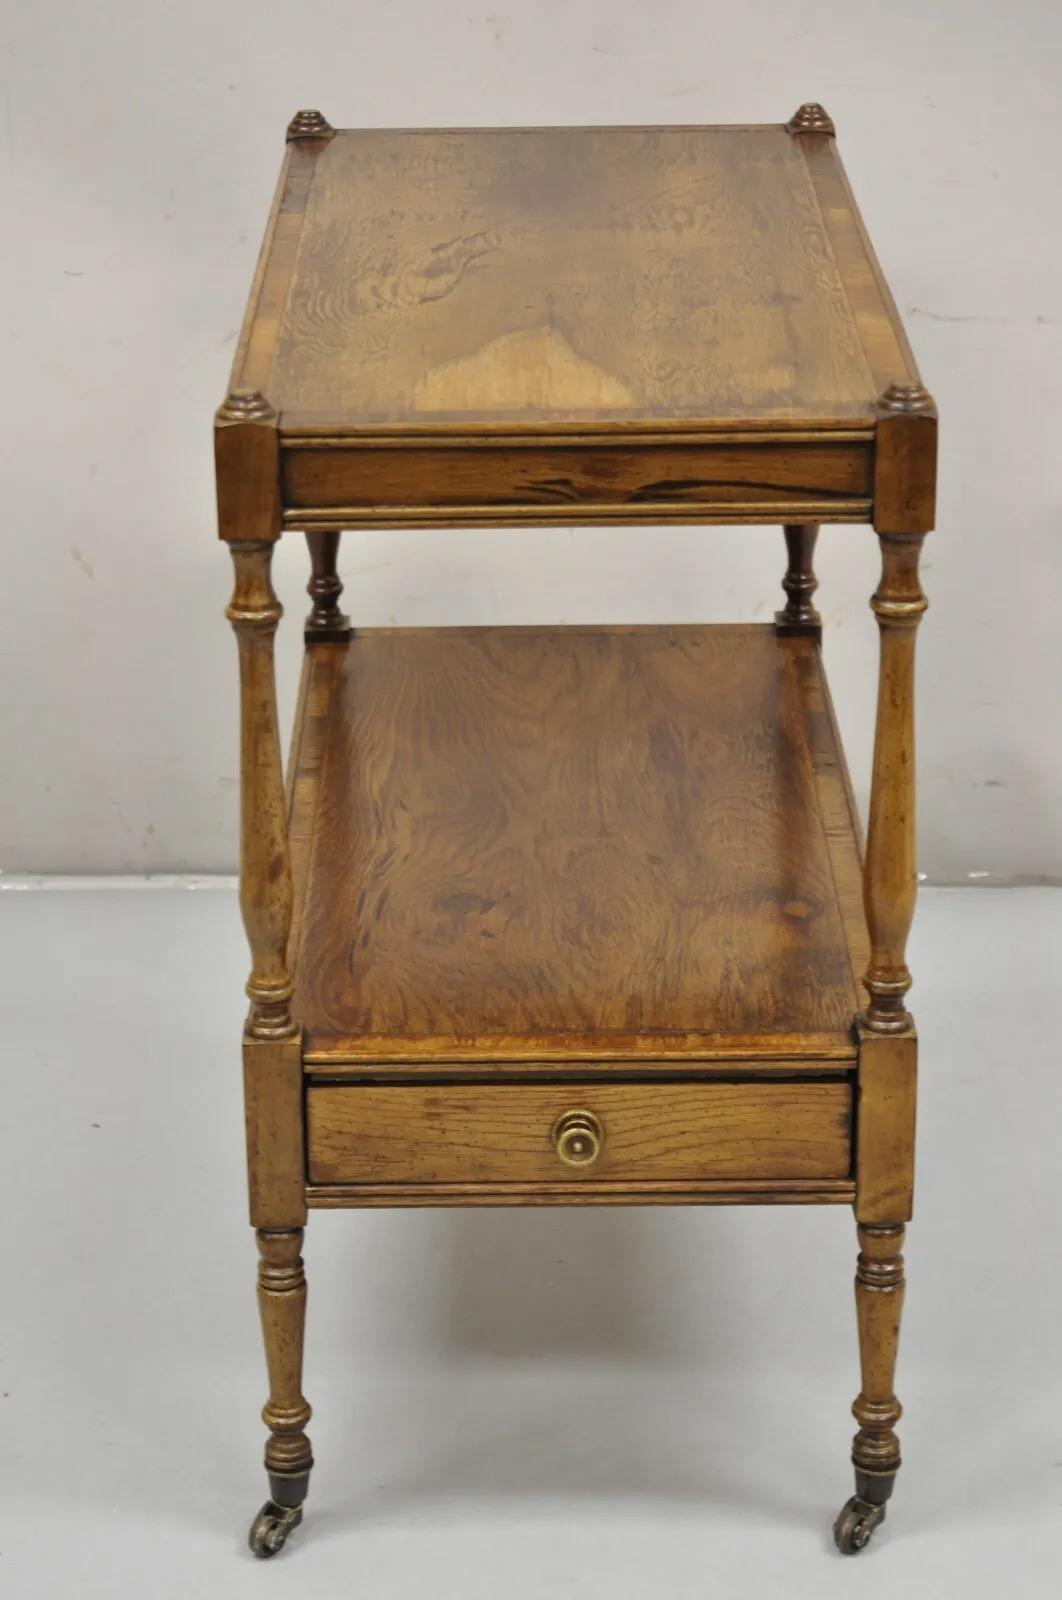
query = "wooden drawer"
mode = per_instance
[
  {"x": 564, "y": 481},
  {"x": 610, "y": 1133}
]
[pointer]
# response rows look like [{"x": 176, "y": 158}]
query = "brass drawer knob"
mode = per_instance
[{"x": 577, "y": 1138}]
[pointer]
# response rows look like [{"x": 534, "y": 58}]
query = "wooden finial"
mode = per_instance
[
  {"x": 309, "y": 125},
  {"x": 905, "y": 398},
  {"x": 811, "y": 118},
  {"x": 245, "y": 405}
]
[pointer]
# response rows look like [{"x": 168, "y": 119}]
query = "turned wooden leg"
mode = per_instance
[
  {"x": 879, "y": 1288},
  {"x": 272, "y": 1049},
  {"x": 799, "y": 616},
  {"x": 325, "y": 620},
  {"x": 288, "y": 1456},
  {"x": 889, "y": 879}
]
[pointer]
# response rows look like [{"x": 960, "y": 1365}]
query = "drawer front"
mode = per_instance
[
  {"x": 565, "y": 481},
  {"x": 582, "y": 1133}
]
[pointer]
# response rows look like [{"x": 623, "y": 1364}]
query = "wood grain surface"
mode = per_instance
[
  {"x": 651, "y": 1132},
  {"x": 568, "y": 481},
  {"x": 530, "y": 326},
  {"x": 888, "y": 1085},
  {"x": 703, "y": 1192},
  {"x": 564, "y": 275},
  {"x": 570, "y": 843}
]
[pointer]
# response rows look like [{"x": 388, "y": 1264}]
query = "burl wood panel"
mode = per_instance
[
  {"x": 659, "y": 1131},
  {"x": 573, "y": 479},
  {"x": 562, "y": 275},
  {"x": 572, "y": 842}
]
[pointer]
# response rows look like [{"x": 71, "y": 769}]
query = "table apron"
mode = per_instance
[{"x": 563, "y": 481}]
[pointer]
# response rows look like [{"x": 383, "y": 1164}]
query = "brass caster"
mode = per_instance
[
  {"x": 270, "y": 1528},
  {"x": 855, "y": 1524}
]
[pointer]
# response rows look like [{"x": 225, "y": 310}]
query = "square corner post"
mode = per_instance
[
  {"x": 905, "y": 474},
  {"x": 248, "y": 484}
]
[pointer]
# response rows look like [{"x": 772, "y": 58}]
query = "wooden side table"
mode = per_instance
[{"x": 573, "y": 916}]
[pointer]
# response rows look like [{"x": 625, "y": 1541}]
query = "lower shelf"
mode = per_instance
[{"x": 521, "y": 848}]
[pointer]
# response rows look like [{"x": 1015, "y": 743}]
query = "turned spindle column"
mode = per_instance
[
  {"x": 904, "y": 493},
  {"x": 282, "y": 1306},
  {"x": 879, "y": 1289},
  {"x": 325, "y": 620},
  {"x": 889, "y": 877},
  {"x": 799, "y": 615},
  {"x": 272, "y": 1057},
  {"x": 266, "y": 894},
  {"x": 247, "y": 458}
]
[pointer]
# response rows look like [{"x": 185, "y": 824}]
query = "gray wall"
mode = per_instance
[{"x": 139, "y": 149}]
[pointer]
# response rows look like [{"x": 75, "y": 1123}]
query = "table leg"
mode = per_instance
[
  {"x": 288, "y": 1455},
  {"x": 325, "y": 620},
  {"x": 879, "y": 1290},
  {"x": 271, "y": 1048},
  {"x": 888, "y": 1045},
  {"x": 799, "y": 616}
]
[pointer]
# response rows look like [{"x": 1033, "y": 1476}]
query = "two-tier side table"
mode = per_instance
[{"x": 573, "y": 915}]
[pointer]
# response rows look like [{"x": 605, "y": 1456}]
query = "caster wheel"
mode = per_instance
[
  {"x": 855, "y": 1524},
  {"x": 270, "y": 1528}
]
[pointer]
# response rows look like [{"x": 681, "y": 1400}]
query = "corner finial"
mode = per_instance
[
  {"x": 309, "y": 125},
  {"x": 905, "y": 398},
  {"x": 245, "y": 405},
  {"x": 811, "y": 118}
]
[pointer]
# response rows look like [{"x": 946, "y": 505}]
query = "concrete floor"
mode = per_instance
[{"x": 558, "y": 1403}]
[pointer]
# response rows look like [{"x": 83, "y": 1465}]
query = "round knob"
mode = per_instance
[{"x": 577, "y": 1138}]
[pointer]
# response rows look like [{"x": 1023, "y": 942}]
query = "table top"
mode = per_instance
[
  {"x": 594, "y": 279},
  {"x": 553, "y": 844}
]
